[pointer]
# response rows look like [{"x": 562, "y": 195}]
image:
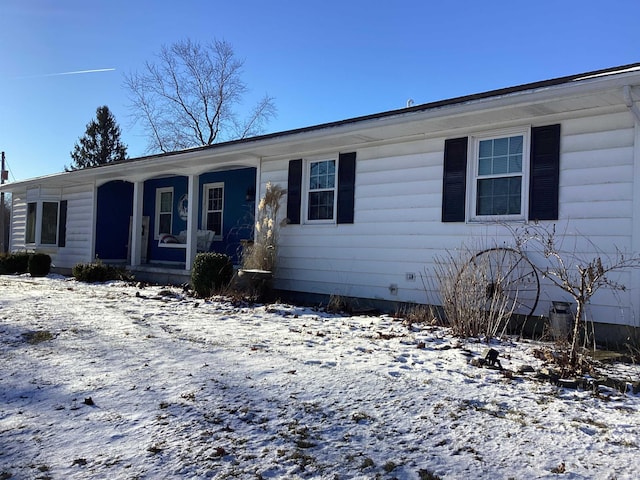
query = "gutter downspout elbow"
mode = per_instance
[{"x": 628, "y": 100}]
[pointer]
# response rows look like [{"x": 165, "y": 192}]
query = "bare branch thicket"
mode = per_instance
[
  {"x": 574, "y": 271},
  {"x": 477, "y": 296},
  {"x": 256, "y": 121},
  {"x": 192, "y": 97}
]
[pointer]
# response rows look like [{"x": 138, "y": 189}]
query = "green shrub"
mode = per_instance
[
  {"x": 39, "y": 265},
  {"x": 3, "y": 261},
  {"x": 210, "y": 273},
  {"x": 98, "y": 272},
  {"x": 14, "y": 263}
]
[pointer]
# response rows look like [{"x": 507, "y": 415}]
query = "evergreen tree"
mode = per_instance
[{"x": 100, "y": 144}]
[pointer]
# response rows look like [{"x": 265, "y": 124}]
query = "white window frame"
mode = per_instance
[
  {"x": 473, "y": 174},
  {"x": 156, "y": 227},
  {"x": 306, "y": 189},
  {"x": 57, "y": 222},
  {"x": 218, "y": 236},
  {"x": 39, "y": 218}
]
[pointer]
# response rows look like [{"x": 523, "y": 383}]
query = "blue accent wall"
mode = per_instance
[
  {"x": 180, "y": 186},
  {"x": 114, "y": 208},
  {"x": 238, "y": 214}
]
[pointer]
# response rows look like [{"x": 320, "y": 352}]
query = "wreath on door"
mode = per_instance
[{"x": 183, "y": 207}]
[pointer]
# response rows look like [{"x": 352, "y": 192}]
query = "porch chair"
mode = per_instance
[{"x": 204, "y": 239}]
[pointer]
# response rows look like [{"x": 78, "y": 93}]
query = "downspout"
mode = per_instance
[
  {"x": 634, "y": 296},
  {"x": 628, "y": 100}
]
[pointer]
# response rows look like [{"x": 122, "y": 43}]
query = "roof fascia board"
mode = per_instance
[
  {"x": 517, "y": 99},
  {"x": 512, "y": 100}
]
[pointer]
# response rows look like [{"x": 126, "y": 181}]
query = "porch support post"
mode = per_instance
[
  {"x": 136, "y": 224},
  {"x": 192, "y": 221}
]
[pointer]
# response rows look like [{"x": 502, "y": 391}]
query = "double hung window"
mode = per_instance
[
  {"x": 213, "y": 208},
  {"x": 321, "y": 194},
  {"x": 49, "y": 232},
  {"x": 322, "y": 190},
  {"x": 164, "y": 211},
  {"x": 42, "y": 223},
  {"x": 499, "y": 176}
]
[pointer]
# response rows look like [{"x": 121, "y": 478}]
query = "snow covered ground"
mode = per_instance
[{"x": 113, "y": 381}]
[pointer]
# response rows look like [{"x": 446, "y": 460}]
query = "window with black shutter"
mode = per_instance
[
  {"x": 322, "y": 190},
  {"x": 346, "y": 187},
  {"x": 508, "y": 171},
  {"x": 294, "y": 191},
  {"x": 62, "y": 224}
]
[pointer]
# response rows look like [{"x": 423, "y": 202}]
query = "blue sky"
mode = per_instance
[{"x": 322, "y": 60}]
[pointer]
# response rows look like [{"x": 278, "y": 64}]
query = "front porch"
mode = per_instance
[{"x": 156, "y": 226}]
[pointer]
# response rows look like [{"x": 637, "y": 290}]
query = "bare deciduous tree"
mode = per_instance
[
  {"x": 577, "y": 273},
  {"x": 192, "y": 95}
]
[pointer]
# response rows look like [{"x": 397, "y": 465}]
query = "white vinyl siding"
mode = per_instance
[
  {"x": 17, "y": 234},
  {"x": 79, "y": 226},
  {"x": 398, "y": 229}
]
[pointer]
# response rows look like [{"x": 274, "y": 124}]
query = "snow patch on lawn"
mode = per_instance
[{"x": 113, "y": 381}]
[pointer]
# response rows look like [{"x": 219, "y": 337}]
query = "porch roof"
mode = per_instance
[{"x": 602, "y": 88}]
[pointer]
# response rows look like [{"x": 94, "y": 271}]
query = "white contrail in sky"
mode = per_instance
[{"x": 77, "y": 72}]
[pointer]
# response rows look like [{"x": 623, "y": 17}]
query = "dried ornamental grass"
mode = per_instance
[{"x": 262, "y": 255}]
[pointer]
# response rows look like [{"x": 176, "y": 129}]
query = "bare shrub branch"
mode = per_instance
[
  {"x": 477, "y": 293},
  {"x": 575, "y": 272}
]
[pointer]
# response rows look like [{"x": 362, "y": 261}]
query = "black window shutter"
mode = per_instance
[
  {"x": 545, "y": 173},
  {"x": 454, "y": 182},
  {"x": 346, "y": 187},
  {"x": 62, "y": 224},
  {"x": 294, "y": 191}
]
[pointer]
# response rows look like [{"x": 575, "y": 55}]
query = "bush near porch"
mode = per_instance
[{"x": 210, "y": 273}]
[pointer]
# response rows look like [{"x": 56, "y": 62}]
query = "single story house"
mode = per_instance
[{"x": 372, "y": 201}]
